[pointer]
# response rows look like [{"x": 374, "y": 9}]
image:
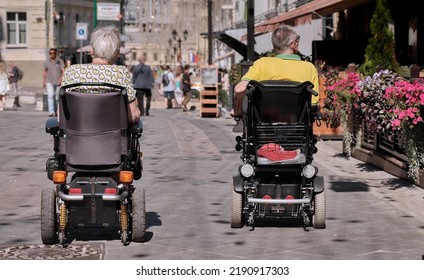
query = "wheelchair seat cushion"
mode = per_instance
[{"x": 275, "y": 152}]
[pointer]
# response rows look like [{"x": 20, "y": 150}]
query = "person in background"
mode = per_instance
[
  {"x": 178, "y": 92},
  {"x": 13, "y": 79},
  {"x": 142, "y": 77},
  {"x": 287, "y": 65},
  {"x": 105, "y": 43},
  {"x": 4, "y": 84},
  {"x": 168, "y": 87},
  {"x": 52, "y": 79},
  {"x": 186, "y": 86}
]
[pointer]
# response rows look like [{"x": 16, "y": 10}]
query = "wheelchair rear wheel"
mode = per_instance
[
  {"x": 318, "y": 218},
  {"x": 48, "y": 216},
  {"x": 237, "y": 210},
  {"x": 138, "y": 216}
]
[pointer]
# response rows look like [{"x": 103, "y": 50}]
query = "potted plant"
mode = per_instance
[
  {"x": 330, "y": 124},
  {"x": 406, "y": 103},
  {"x": 340, "y": 107}
]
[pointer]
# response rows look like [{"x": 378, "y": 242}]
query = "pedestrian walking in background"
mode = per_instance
[
  {"x": 142, "y": 77},
  {"x": 186, "y": 86},
  {"x": 168, "y": 87},
  {"x": 158, "y": 79},
  {"x": 4, "y": 84},
  {"x": 14, "y": 76},
  {"x": 52, "y": 78},
  {"x": 178, "y": 92}
]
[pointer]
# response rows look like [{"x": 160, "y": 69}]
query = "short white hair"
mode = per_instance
[{"x": 106, "y": 43}]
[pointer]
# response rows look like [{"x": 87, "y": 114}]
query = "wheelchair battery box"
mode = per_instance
[
  {"x": 277, "y": 191},
  {"x": 93, "y": 210}
]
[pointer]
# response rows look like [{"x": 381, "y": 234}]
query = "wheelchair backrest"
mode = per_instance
[
  {"x": 280, "y": 101},
  {"x": 94, "y": 129}
]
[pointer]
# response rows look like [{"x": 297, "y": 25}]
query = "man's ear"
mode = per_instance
[{"x": 91, "y": 51}]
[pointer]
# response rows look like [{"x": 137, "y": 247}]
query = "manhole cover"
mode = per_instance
[{"x": 92, "y": 251}]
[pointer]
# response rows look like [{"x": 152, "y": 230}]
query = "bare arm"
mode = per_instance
[
  {"x": 241, "y": 87},
  {"x": 133, "y": 112}
]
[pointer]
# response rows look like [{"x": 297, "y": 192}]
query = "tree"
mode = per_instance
[{"x": 380, "y": 52}]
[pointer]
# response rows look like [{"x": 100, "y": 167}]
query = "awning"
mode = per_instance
[
  {"x": 307, "y": 12},
  {"x": 233, "y": 43},
  {"x": 228, "y": 54}
]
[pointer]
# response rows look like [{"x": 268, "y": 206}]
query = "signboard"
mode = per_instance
[
  {"x": 109, "y": 11},
  {"x": 209, "y": 76},
  {"x": 81, "y": 31}
]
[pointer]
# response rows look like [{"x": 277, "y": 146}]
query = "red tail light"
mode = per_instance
[
  {"x": 266, "y": 196},
  {"x": 74, "y": 191},
  {"x": 289, "y": 197},
  {"x": 110, "y": 191}
]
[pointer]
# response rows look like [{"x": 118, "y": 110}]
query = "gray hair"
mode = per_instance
[
  {"x": 105, "y": 42},
  {"x": 282, "y": 37}
]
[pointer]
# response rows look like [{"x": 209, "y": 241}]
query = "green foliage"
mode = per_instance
[
  {"x": 235, "y": 74},
  {"x": 223, "y": 97},
  {"x": 380, "y": 52}
]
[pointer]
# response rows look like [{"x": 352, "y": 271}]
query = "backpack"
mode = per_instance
[
  {"x": 165, "y": 79},
  {"x": 20, "y": 74}
]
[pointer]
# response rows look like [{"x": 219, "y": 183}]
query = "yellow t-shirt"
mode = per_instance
[{"x": 284, "y": 67}]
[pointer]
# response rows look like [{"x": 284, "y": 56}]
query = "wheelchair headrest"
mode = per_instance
[
  {"x": 93, "y": 112},
  {"x": 280, "y": 101}
]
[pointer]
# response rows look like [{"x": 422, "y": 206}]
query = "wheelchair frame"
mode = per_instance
[
  {"x": 96, "y": 196},
  {"x": 286, "y": 189}
]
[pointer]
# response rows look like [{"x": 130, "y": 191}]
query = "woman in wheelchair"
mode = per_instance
[
  {"x": 105, "y": 44},
  {"x": 97, "y": 153}
]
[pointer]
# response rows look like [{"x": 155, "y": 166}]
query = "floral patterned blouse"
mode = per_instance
[{"x": 99, "y": 73}]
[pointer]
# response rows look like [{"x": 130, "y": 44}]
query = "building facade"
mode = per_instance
[
  {"x": 173, "y": 31},
  {"x": 28, "y": 28}
]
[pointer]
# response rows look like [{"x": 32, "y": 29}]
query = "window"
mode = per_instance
[{"x": 16, "y": 29}]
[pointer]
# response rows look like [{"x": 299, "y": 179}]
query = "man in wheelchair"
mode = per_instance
[
  {"x": 278, "y": 105},
  {"x": 97, "y": 153}
]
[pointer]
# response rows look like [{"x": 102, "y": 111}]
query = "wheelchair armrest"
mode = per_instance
[
  {"x": 52, "y": 126},
  {"x": 136, "y": 128}
]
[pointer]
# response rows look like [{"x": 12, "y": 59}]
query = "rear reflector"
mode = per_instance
[
  {"x": 74, "y": 191},
  {"x": 266, "y": 196},
  {"x": 110, "y": 191},
  {"x": 289, "y": 197}
]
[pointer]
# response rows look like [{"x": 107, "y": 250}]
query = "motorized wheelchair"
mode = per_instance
[
  {"x": 277, "y": 179},
  {"x": 96, "y": 158}
]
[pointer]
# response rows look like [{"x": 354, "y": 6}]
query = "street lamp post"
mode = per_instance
[{"x": 176, "y": 44}]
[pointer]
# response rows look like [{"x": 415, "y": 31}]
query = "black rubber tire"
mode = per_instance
[
  {"x": 237, "y": 210},
  {"x": 319, "y": 216},
  {"x": 48, "y": 216},
  {"x": 138, "y": 216}
]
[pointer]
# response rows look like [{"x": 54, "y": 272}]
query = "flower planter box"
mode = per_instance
[{"x": 325, "y": 131}]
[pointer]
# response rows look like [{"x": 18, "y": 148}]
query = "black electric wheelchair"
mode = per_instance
[
  {"x": 96, "y": 158},
  {"x": 277, "y": 179}
]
